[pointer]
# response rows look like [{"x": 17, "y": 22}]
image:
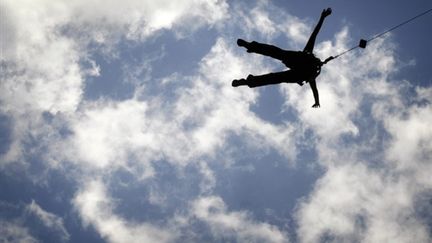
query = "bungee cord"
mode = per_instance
[{"x": 363, "y": 43}]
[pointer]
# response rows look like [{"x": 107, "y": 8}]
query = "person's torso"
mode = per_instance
[{"x": 305, "y": 65}]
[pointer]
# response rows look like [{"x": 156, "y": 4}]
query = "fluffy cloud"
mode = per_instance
[
  {"x": 267, "y": 22},
  {"x": 191, "y": 128},
  {"x": 373, "y": 145},
  {"x": 96, "y": 208},
  {"x": 201, "y": 117},
  {"x": 355, "y": 203},
  {"x": 41, "y": 67},
  {"x": 141, "y": 19},
  {"x": 50, "y": 220},
  {"x": 376, "y": 162},
  {"x": 14, "y": 232},
  {"x": 406, "y": 145},
  {"x": 237, "y": 225},
  {"x": 47, "y": 55}
]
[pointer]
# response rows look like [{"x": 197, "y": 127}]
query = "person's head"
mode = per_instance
[{"x": 313, "y": 59}]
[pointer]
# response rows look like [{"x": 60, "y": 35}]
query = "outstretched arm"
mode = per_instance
[
  {"x": 311, "y": 42},
  {"x": 315, "y": 93}
]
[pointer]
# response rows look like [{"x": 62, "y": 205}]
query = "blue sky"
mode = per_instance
[{"x": 118, "y": 123}]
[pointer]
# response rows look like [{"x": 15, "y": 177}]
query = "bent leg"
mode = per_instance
[{"x": 288, "y": 76}]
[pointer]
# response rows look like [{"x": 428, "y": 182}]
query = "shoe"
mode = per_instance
[
  {"x": 238, "y": 82},
  {"x": 241, "y": 42}
]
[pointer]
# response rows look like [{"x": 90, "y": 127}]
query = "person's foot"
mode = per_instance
[
  {"x": 238, "y": 82},
  {"x": 243, "y": 43},
  {"x": 326, "y": 12}
]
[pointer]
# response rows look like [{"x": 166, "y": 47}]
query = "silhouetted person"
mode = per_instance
[{"x": 303, "y": 65}]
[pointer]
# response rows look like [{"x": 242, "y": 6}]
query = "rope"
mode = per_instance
[
  {"x": 400, "y": 25},
  {"x": 385, "y": 32},
  {"x": 346, "y": 51}
]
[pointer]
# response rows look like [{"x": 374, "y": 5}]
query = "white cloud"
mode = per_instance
[
  {"x": 197, "y": 123},
  {"x": 43, "y": 70},
  {"x": 96, "y": 208},
  {"x": 264, "y": 20},
  {"x": 141, "y": 19},
  {"x": 352, "y": 202},
  {"x": 108, "y": 135},
  {"x": 412, "y": 141},
  {"x": 15, "y": 233},
  {"x": 45, "y": 48},
  {"x": 424, "y": 94},
  {"x": 103, "y": 137},
  {"x": 361, "y": 197},
  {"x": 51, "y": 77},
  {"x": 209, "y": 180},
  {"x": 50, "y": 220},
  {"x": 238, "y": 225}
]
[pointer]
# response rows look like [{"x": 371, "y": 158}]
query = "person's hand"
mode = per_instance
[
  {"x": 326, "y": 12},
  {"x": 316, "y": 105}
]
